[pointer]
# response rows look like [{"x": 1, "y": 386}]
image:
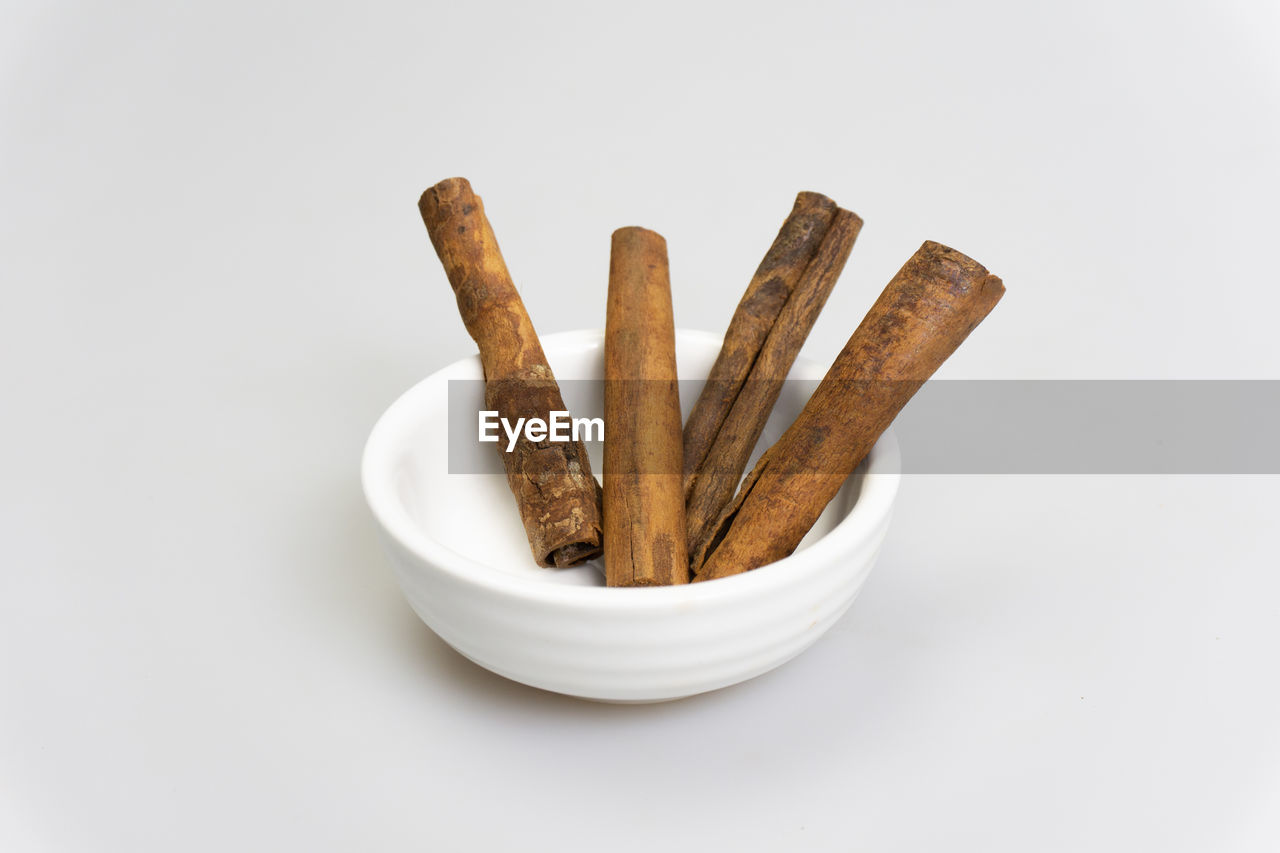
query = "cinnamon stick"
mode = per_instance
[
  {"x": 557, "y": 496},
  {"x": 644, "y": 542},
  {"x": 927, "y": 310},
  {"x": 792, "y": 250},
  {"x": 713, "y": 483}
]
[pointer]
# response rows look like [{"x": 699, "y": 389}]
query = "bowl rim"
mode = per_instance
[{"x": 882, "y": 476}]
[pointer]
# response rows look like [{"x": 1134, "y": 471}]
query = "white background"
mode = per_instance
[{"x": 215, "y": 278}]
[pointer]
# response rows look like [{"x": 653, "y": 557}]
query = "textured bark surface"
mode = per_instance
[
  {"x": 792, "y": 250},
  {"x": 644, "y": 542},
  {"x": 712, "y": 486},
  {"x": 927, "y": 310},
  {"x": 557, "y": 496}
]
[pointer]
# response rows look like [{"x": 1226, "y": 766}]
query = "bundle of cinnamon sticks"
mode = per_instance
[{"x": 674, "y": 507}]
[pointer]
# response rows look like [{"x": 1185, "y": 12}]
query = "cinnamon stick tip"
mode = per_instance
[
  {"x": 935, "y": 252},
  {"x": 992, "y": 289},
  {"x": 635, "y": 232},
  {"x": 572, "y": 554},
  {"x": 853, "y": 219},
  {"x": 934, "y": 249},
  {"x": 809, "y": 198},
  {"x": 444, "y": 193}
]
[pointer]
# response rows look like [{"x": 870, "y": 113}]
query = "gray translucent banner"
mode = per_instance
[{"x": 1000, "y": 426}]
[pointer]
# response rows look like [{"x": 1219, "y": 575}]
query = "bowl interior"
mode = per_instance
[{"x": 451, "y": 489}]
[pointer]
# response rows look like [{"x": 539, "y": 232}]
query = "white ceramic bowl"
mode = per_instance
[{"x": 460, "y": 554}]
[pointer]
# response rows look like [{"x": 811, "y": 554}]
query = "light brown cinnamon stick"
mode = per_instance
[
  {"x": 792, "y": 250},
  {"x": 713, "y": 483},
  {"x": 558, "y": 498},
  {"x": 927, "y": 310},
  {"x": 644, "y": 540}
]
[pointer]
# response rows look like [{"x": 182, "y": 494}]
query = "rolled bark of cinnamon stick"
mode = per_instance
[
  {"x": 792, "y": 250},
  {"x": 557, "y": 496},
  {"x": 714, "y": 481},
  {"x": 644, "y": 540},
  {"x": 927, "y": 310}
]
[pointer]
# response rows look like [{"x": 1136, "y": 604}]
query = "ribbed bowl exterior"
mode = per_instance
[
  {"x": 624, "y": 645},
  {"x": 653, "y": 651}
]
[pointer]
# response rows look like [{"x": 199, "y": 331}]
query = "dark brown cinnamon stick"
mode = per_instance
[
  {"x": 713, "y": 483},
  {"x": 792, "y": 250},
  {"x": 558, "y": 498},
  {"x": 927, "y": 310},
  {"x": 644, "y": 539}
]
